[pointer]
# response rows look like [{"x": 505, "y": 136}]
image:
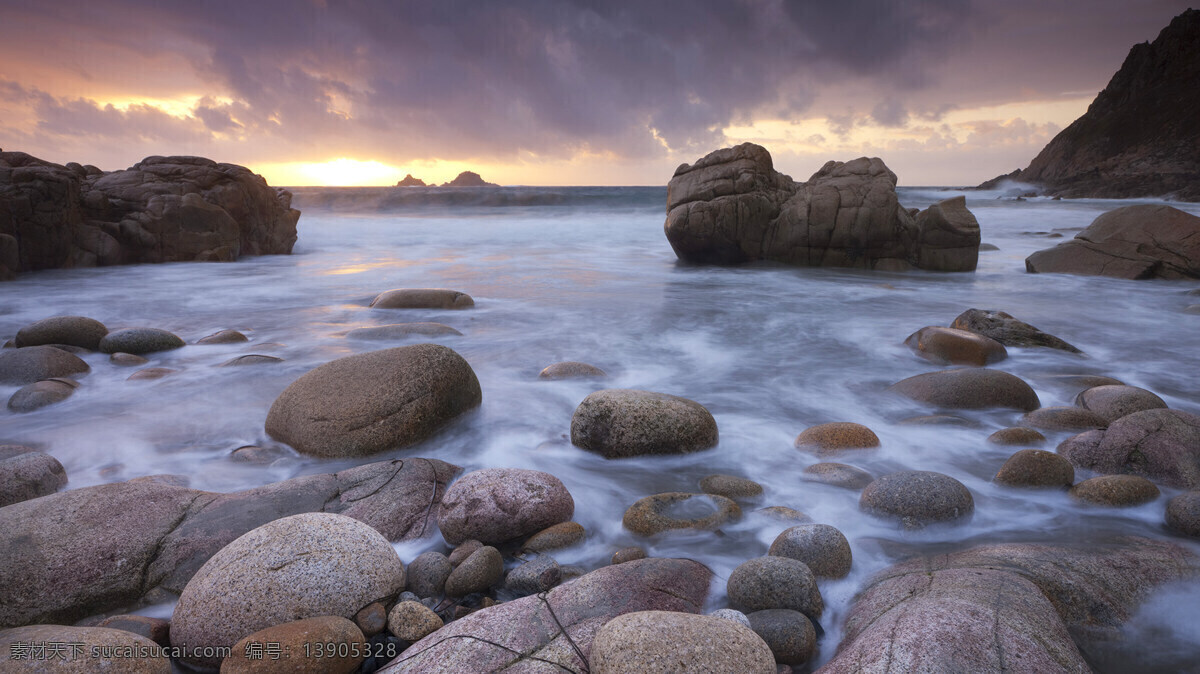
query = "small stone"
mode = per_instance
[
  {"x": 775, "y": 582},
  {"x": 427, "y": 573},
  {"x": 483, "y": 569},
  {"x": 561, "y": 535},
  {"x": 536, "y": 575},
  {"x": 918, "y": 498},
  {"x": 677, "y": 510},
  {"x": 154, "y": 629},
  {"x": 1036, "y": 468},
  {"x": 464, "y": 550},
  {"x": 254, "y": 454},
  {"x": 397, "y": 331},
  {"x": 730, "y": 486},
  {"x": 628, "y": 555},
  {"x": 140, "y": 340},
  {"x": 940, "y": 420},
  {"x": 1080, "y": 382},
  {"x": 1114, "y": 402},
  {"x": 1017, "y": 435},
  {"x": 224, "y": 337},
  {"x": 412, "y": 621},
  {"x": 823, "y": 548},
  {"x": 834, "y": 437},
  {"x": 1183, "y": 514},
  {"x": 127, "y": 359},
  {"x": 1064, "y": 419},
  {"x": 838, "y": 475},
  {"x": 1116, "y": 490},
  {"x": 789, "y": 634},
  {"x": 251, "y": 359},
  {"x": 422, "y": 298},
  {"x": 570, "y": 369},
  {"x": 785, "y": 514},
  {"x": 731, "y": 614},
  {"x": 150, "y": 374},
  {"x": 40, "y": 394},
  {"x": 372, "y": 619}
]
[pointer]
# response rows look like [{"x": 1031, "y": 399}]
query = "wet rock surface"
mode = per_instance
[
  {"x": 1160, "y": 444},
  {"x": 618, "y": 423},
  {"x": 496, "y": 505}
]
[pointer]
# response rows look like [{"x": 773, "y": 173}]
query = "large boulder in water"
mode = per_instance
[
  {"x": 1159, "y": 444},
  {"x": 969, "y": 389},
  {"x": 70, "y": 330},
  {"x": 369, "y": 402},
  {"x": 495, "y": 505},
  {"x": 162, "y": 209},
  {"x": 732, "y": 206},
  {"x": 530, "y": 625},
  {"x": 617, "y": 423},
  {"x": 1004, "y": 607},
  {"x": 35, "y": 363},
  {"x": 1134, "y": 242},
  {"x": 166, "y": 533},
  {"x": 298, "y": 567},
  {"x": 1009, "y": 331}
]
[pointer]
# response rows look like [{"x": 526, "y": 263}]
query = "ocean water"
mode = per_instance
[{"x": 587, "y": 274}]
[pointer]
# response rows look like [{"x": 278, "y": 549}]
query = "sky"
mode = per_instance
[{"x": 557, "y": 92}]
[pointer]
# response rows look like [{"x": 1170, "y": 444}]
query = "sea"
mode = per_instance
[{"x": 586, "y": 273}]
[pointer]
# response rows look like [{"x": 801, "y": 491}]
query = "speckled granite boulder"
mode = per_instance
[
  {"x": 36, "y": 363},
  {"x": 422, "y": 298},
  {"x": 139, "y": 341},
  {"x": 28, "y": 474},
  {"x": 495, "y": 505},
  {"x": 322, "y": 645},
  {"x": 918, "y": 498},
  {"x": 658, "y": 641},
  {"x": 70, "y": 651},
  {"x": 1160, "y": 444},
  {"x": 969, "y": 389},
  {"x": 618, "y": 423},
  {"x": 72, "y": 330}
]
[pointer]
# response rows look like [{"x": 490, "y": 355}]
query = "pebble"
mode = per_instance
[
  {"x": 412, "y": 621},
  {"x": 822, "y": 547},
  {"x": 483, "y": 569}
]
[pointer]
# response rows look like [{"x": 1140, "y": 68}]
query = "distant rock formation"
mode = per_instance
[
  {"x": 410, "y": 181},
  {"x": 469, "y": 179},
  {"x": 162, "y": 209},
  {"x": 732, "y": 206},
  {"x": 1134, "y": 242},
  {"x": 1140, "y": 137}
]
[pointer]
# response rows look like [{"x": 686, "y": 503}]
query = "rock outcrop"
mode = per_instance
[
  {"x": 732, "y": 206},
  {"x": 410, "y": 181},
  {"x": 162, "y": 209},
  {"x": 1139, "y": 137},
  {"x": 1134, "y": 242},
  {"x": 469, "y": 179}
]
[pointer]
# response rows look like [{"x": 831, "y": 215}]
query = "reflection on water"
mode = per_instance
[{"x": 769, "y": 350}]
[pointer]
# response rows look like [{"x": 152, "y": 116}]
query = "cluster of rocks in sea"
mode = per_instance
[
  {"x": 310, "y": 560},
  {"x": 162, "y": 209},
  {"x": 464, "y": 179}
]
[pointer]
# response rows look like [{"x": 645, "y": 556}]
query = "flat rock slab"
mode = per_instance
[
  {"x": 1001, "y": 608},
  {"x": 582, "y": 607},
  {"x": 1133, "y": 242},
  {"x": 370, "y": 402},
  {"x": 57, "y": 553}
]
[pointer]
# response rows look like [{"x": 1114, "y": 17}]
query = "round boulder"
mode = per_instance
[
  {"x": 833, "y": 437},
  {"x": 224, "y": 337},
  {"x": 483, "y": 569},
  {"x": 1035, "y": 468},
  {"x": 75, "y": 655},
  {"x": 1063, "y": 419},
  {"x": 496, "y": 505},
  {"x": 413, "y": 621},
  {"x": 789, "y": 634},
  {"x": 730, "y": 486},
  {"x": 678, "y": 510},
  {"x": 571, "y": 369},
  {"x": 1183, "y": 514},
  {"x": 969, "y": 389},
  {"x": 822, "y": 547},
  {"x": 422, "y": 298},
  {"x": 1114, "y": 402},
  {"x": 775, "y": 582},
  {"x": 951, "y": 346},
  {"x": 303, "y": 566},
  {"x": 562, "y": 535},
  {"x": 139, "y": 341},
  {"x": 366, "y": 403},
  {"x": 1017, "y": 435},
  {"x": 35, "y": 363},
  {"x": 26, "y": 474},
  {"x": 427, "y": 574},
  {"x": 666, "y": 641},
  {"x": 618, "y": 423},
  {"x": 39, "y": 394},
  {"x": 838, "y": 475},
  {"x": 71, "y": 330},
  {"x": 918, "y": 498},
  {"x": 1161, "y": 444},
  {"x": 1116, "y": 490},
  {"x": 323, "y": 645},
  {"x": 403, "y": 331}
]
